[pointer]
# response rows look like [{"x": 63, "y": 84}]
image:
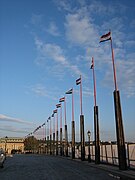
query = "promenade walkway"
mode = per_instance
[{"x": 43, "y": 167}]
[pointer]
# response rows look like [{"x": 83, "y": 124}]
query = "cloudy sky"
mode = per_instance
[{"x": 46, "y": 45}]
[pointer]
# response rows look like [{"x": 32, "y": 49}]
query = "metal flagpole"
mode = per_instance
[
  {"x": 59, "y": 106},
  {"x": 82, "y": 139},
  {"x": 73, "y": 123},
  {"x": 57, "y": 134},
  {"x": 114, "y": 68},
  {"x": 72, "y": 104},
  {"x": 45, "y": 138},
  {"x": 94, "y": 81},
  {"x": 53, "y": 133},
  {"x": 66, "y": 134},
  {"x": 81, "y": 94},
  {"x": 61, "y": 131},
  {"x": 73, "y": 127},
  {"x": 50, "y": 136},
  {"x": 119, "y": 122},
  {"x": 118, "y": 113},
  {"x": 96, "y": 120}
]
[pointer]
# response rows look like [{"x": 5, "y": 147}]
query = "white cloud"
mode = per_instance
[
  {"x": 132, "y": 24},
  {"x": 53, "y": 30},
  {"x": 15, "y": 120},
  {"x": 14, "y": 130},
  {"x": 36, "y": 19},
  {"x": 84, "y": 24},
  {"x": 79, "y": 30},
  {"x": 125, "y": 71},
  {"x": 55, "y": 53},
  {"x": 63, "y": 5},
  {"x": 41, "y": 90}
]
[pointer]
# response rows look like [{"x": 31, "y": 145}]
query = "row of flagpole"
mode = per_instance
[{"x": 118, "y": 118}]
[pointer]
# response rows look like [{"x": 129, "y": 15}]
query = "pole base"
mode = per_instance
[{"x": 120, "y": 132}]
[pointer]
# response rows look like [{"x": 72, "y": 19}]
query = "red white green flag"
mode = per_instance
[{"x": 105, "y": 37}]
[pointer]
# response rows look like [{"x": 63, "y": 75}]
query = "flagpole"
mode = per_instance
[
  {"x": 43, "y": 133},
  {"x": 73, "y": 127},
  {"x": 65, "y": 110},
  {"x": 72, "y": 105},
  {"x": 61, "y": 117},
  {"x": 81, "y": 94},
  {"x": 82, "y": 137},
  {"x": 114, "y": 68},
  {"x": 118, "y": 114},
  {"x": 96, "y": 120},
  {"x": 50, "y": 136},
  {"x": 66, "y": 134},
  {"x": 94, "y": 82},
  {"x": 73, "y": 123},
  {"x": 54, "y": 124},
  {"x": 61, "y": 149},
  {"x": 53, "y": 133},
  {"x": 57, "y": 122},
  {"x": 45, "y": 138},
  {"x": 57, "y": 134}
]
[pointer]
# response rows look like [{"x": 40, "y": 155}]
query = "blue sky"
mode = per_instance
[{"x": 46, "y": 45}]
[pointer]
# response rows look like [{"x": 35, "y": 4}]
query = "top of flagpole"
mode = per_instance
[
  {"x": 94, "y": 80},
  {"x": 114, "y": 68},
  {"x": 79, "y": 81},
  {"x": 107, "y": 37}
]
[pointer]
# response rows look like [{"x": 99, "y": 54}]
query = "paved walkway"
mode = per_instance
[
  {"x": 113, "y": 170},
  {"x": 42, "y": 167}
]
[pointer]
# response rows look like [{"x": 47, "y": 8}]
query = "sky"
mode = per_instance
[{"x": 46, "y": 45}]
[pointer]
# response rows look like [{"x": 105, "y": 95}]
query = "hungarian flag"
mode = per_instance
[
  {"x": 55, "y": 111},
  {"x": 43, "y": 124},
  {"x": 105, "y": 37},
  {"x": 78, "y": 81},
  {"x": 70, "y": 91},
  {"x": 58, "y": 105},
  {"x": 62, "y": 99},
  {"x": 92, "y": 64}
]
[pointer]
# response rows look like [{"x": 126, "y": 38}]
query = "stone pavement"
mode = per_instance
[
  {"x": 46, "y": 167},
  {"x": 113, "y": 170}
]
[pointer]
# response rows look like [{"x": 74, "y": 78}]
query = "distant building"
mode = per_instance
[{"x": 12, "y": 144}]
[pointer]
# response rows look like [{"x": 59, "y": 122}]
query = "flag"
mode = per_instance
[
  {"x": 62, "y": 99},
  {"x": 58, "y": 105},
  {"x": 78, "y": 81},
  {"x": 92, "y": 64},
  {"x": 105, "y": 37},
  {"x": 70, "y": 91},
  {"x": 55, "y": 111},
  {"x": 49, "y": 118},
  {"x": 43, "y": 124}
]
